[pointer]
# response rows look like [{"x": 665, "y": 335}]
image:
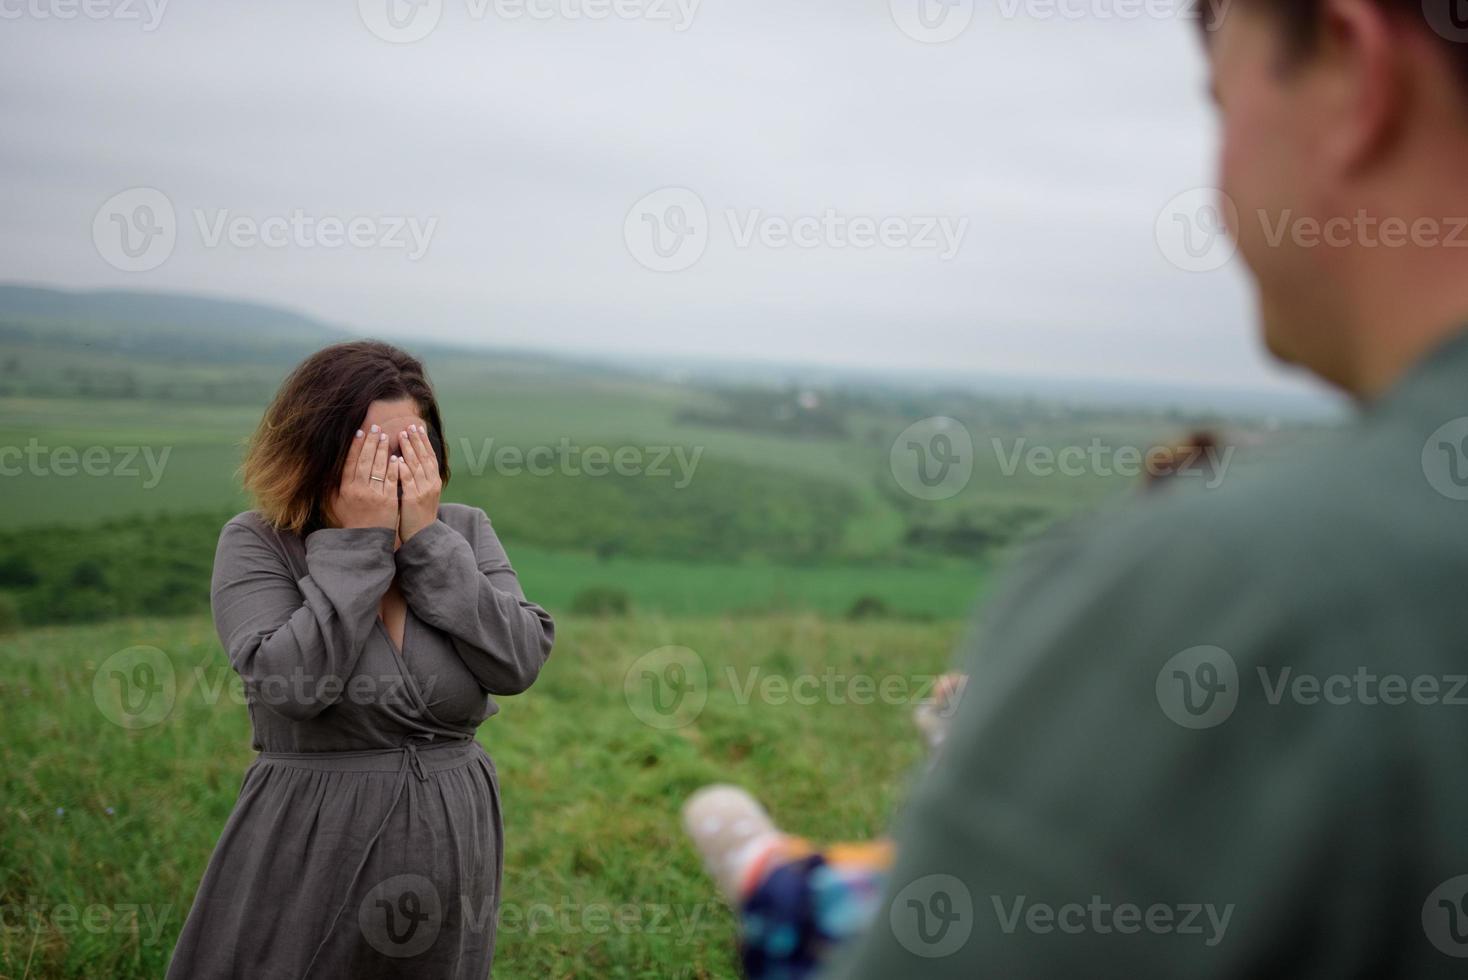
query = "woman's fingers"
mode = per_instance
[
  {"x": 425, "y": 448},
  {"x": 390, "y": 482},
  {"x": 354, "y": 453},
  {"x": 378, "y": 476},
  {"x": 411, "y": 456},
  {"x": 373, "y": 444}
]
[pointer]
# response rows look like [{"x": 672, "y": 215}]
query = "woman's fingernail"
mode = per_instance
[
  {"x": 359, "y": 433},
  {"x": 413, "y": 428},
  {"x": 382, "y": 437}
]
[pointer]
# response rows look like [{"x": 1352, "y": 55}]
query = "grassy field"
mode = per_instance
[
  {"x": 600, "y": 881},
  {"x": 786, "y": 541}
]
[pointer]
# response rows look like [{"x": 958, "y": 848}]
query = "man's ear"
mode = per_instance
[{"x": 1363, "y": 59}]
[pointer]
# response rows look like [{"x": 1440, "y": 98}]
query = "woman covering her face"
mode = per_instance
[{"x": 371, "y": 625}]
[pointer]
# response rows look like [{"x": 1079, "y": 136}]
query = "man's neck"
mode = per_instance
[{"x": 1397, "y": 337}]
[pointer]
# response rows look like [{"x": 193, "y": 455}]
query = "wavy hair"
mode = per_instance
[{"x": 295, "y": 458}]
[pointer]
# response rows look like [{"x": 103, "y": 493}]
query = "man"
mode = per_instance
[{"x": 1224, "y": 733}]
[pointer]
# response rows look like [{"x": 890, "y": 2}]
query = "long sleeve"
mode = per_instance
[
  {"x": 1094, "y": 815},
  {"x": 462, "y": 583},
  {"x": 296, "y": 642}
]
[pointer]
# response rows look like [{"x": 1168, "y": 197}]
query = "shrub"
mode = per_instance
[
  {"x": 9, "y": 614},
  {"x": 868, "y": 607},
  {"x": 18, "y": 572},
  {"x": 601, "y": 600}
]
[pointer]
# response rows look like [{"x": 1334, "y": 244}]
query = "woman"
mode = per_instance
[{"x": 370, "y": 624}]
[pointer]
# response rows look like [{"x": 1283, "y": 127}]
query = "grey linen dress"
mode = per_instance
[{"x": 365, "y": 841}]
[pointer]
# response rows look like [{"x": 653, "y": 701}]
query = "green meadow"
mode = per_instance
[
  {"x": 767, "y": 526},
  {"x": 106, "y": 830}
]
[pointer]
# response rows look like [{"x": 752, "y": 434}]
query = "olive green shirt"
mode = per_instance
[{"x": 1216, "y": 733}]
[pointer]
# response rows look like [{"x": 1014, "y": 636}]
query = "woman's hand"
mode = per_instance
[
  {"x": 417, "y": 469},
  {"x": 368, "y": 495}
]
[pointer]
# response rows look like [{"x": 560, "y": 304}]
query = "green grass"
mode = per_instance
[
  {"x": 97, "y": 816},
  {"x": 942, "y": 591}
]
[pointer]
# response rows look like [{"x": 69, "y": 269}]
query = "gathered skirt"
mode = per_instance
[{"x": 371, "y": 864}]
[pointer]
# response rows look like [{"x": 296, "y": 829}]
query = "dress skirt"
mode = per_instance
[{"x": 368, "y": 864}]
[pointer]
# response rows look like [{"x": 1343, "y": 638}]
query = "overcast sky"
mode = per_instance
[{"x": 753, "y": 179}]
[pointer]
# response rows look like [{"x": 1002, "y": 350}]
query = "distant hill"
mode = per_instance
[
  {"x": 183, "y": 347},
  {"x": 170, "y": 326}
]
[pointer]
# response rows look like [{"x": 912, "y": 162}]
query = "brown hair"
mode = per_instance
[
  {"x": 295, "y": 458},
  {"x": 1300, "y": 20}
]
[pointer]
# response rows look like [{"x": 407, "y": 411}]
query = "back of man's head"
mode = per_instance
[{"x": 1345, "y": 147}]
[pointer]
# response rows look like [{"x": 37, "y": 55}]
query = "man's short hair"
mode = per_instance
[{"x": 1300, "y": 21}]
